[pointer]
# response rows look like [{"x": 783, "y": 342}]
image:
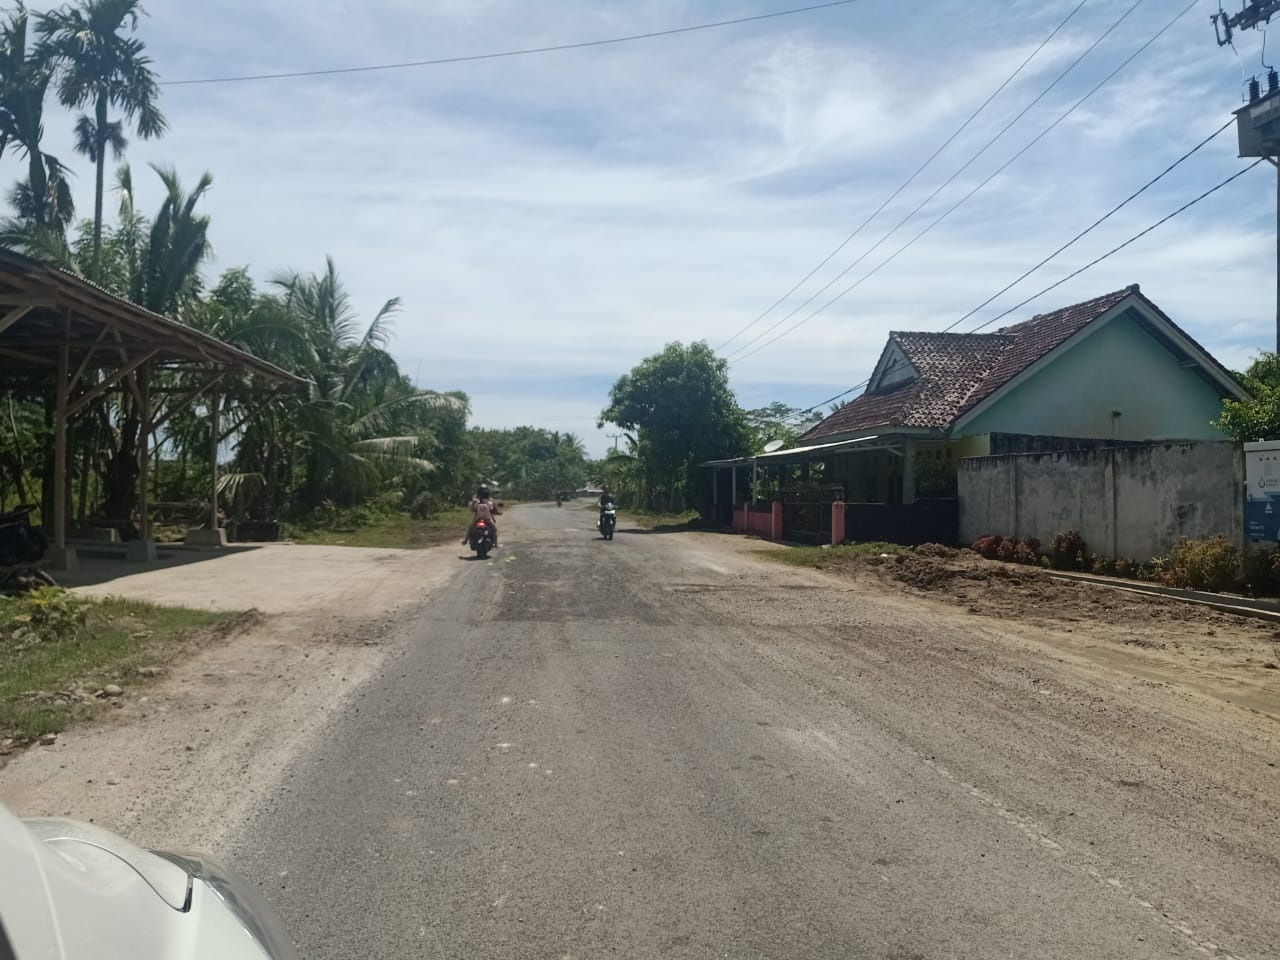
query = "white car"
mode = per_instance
[{"x": 73, "y": 891}]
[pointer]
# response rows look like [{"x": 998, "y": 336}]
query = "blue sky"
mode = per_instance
[{"x": 550, "y": 220}]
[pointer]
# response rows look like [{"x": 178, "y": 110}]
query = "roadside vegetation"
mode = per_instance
[
  {"x": 828, "y": 558},
  {"x": 64, "y": 656},
  {"x": 362, "y": 440},
  {"x": 362, "y": 528}
]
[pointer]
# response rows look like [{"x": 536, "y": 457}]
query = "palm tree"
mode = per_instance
[
  {"x": 160, "y": 259},
  {"x": 99, "y": 65},
  {"x": 42, "y": 200},
  {"x": 155, "y": 263},
  {"x": 363, "y": 421}
]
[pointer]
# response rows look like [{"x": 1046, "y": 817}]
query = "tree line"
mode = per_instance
[{"x": 360, "y": 432}]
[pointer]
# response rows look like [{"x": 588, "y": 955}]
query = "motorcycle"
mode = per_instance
[
  {"x": 481, "y": 538},
  {"x": 22, "y": 547},
  {"x": 608, "y": 520}
]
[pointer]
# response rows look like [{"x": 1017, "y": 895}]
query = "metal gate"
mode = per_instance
[{"x": 806, "y": 512}]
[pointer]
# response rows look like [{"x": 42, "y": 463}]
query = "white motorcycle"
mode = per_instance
[{"x": 608, "y": 520}]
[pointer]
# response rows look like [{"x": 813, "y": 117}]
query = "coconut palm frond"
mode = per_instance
[{"x": 231, "y": 485}]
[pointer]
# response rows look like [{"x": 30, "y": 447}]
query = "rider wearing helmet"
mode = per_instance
[{"x": 606, "y": 499}]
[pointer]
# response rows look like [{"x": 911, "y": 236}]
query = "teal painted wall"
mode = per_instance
[{"x": 1120, "y": 367}]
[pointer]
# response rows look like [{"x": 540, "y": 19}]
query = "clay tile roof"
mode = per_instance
[{"x": 959, "y": 370}]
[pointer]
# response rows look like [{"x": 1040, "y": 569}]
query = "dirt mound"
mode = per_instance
[
  {"x": 939, "y": 551},
  {"x": 1008, "y": 591},
  {"x": 937, "y": 571}
]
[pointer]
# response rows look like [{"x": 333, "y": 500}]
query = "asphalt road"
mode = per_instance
[{"x": 657, "y": 747}]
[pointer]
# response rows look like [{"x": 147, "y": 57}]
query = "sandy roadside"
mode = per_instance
[{"x": 184, "y": 758}]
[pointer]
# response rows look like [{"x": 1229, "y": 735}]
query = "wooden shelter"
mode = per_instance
[{"x": 61, "y": 332}]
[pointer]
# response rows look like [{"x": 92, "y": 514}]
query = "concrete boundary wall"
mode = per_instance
[{"x": 1127, "y": 502}]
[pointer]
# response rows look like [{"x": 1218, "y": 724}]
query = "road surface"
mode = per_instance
[{"x": 662, "y": 747}]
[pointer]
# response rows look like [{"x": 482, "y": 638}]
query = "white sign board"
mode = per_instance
[{"x": 1262, "y": 490}]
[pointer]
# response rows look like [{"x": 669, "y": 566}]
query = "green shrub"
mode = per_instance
[
  {"x": 1262, "y": 572},
  {"x": 1212, "y": 564},
  {"x": 46, "y": 615}
]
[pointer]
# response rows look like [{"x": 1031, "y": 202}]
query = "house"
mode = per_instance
[{"x": 1109, "y": 371}]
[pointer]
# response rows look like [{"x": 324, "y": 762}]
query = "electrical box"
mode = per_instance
[
  {"x": 1258, "y": 127},
  {"x": 1262, "y": 490}
]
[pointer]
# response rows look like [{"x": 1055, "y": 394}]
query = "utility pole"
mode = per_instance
[
  {"x": 615, "y": 437},
  {"x": 1258, "y": 122}
]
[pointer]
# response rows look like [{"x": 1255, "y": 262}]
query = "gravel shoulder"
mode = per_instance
[{"x": 187, "y": 756}]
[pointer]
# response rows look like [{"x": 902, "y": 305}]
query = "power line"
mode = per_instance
[
  {"x": 946, "y": 183},
  {"x": 1097, "y": 223},
  {"x": 510, "y": 53},
  {"x": 911, "y": 179},
  {"x": 968, "y": 196},
  {"x": 1075, "y": 273},
  {"x": 1114, "y": 250}
]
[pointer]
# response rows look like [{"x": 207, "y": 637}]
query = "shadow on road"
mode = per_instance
[{"x": 100, "y": 564}]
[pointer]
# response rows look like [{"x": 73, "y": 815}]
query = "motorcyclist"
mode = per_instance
[
  {"x": 482, "y": 508},
  {"x": 606, "y": 501}
]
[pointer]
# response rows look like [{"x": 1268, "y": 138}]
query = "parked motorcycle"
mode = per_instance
[
  {"x": 481, "y": 538},
  {"x": 608, "y": 520},
  {"x": 22, "y": 547}
]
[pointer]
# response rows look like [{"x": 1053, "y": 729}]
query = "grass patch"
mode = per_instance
[
  {"x": 826, "y": 558},
  {"x": 57, "y": 650},
  {"x": 399, "y": 531},
  {"x": 656, "y": 521}
]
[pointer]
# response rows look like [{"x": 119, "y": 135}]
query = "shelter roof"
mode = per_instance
[{"x": 43, "y": 307}]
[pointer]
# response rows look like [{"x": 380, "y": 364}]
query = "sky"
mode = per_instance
[{"x": 550, "y": 220}]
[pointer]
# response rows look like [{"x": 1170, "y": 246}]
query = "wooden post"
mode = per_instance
[
  {"x": 60, "y": 444},
  {"x": 213, "y": 460},
  {"x": 144, "y": 454}
]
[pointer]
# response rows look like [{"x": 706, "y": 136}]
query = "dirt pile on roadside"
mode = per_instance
[{"x": 1031, "y": 594}]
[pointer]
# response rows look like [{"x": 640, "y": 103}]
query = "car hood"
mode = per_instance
[{"x": 62, "y": 878}]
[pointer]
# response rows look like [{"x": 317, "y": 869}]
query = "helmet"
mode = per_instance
[{"x": 483, "y": 493}]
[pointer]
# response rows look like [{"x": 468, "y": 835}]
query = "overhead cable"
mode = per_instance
[
  {"x": 946, "y": 183},
  {"x": 528, "y": 51},
  {"x": 1097, "y": 223},
  {"x": 968, "y": 196},
  {"x": 911, "y": 179},
  {"x": 1071, "y": 276},
  {"x": 1114, "y": 250}
]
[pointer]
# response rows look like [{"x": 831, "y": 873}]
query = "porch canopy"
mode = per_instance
[
  {"x": 58, "y": 328},
  {"x": 900, "y": 442}
]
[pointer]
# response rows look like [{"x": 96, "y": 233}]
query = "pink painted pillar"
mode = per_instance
[
  {"x": 837, "y": 523},
  {"x": 775, "y": 529},
  {"x": 739, "y": 517}
]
